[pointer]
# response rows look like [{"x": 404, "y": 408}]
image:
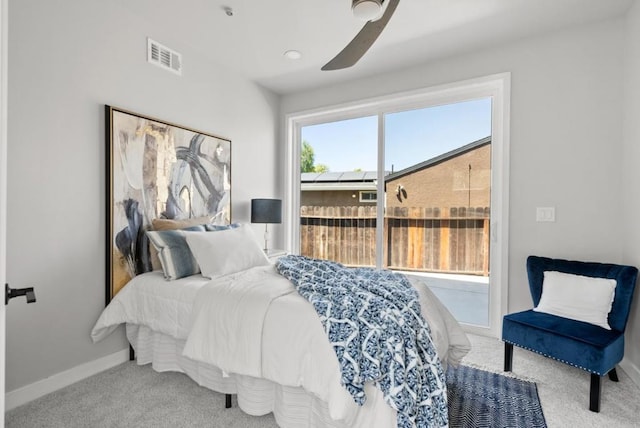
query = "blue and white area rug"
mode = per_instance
[{"x": 479, "y": 399}]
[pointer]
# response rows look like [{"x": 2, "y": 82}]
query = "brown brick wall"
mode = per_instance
[{"x": 446, "y": 184}]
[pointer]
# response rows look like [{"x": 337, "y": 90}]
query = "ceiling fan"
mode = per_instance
[{"x": 367, "y": 10}]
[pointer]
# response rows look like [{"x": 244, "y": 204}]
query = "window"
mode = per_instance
[
  {"x": 467, "y": 181},
  {"x": 367, "y": 196}
]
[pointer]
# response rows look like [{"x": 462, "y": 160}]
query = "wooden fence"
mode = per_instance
[{"x": 455, "y": 240}]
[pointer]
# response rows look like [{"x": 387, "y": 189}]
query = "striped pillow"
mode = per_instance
[
  {"x": 175, "y": 256},
  {"x": 218, "y": 227}
]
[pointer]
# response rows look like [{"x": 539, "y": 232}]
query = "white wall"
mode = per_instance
[
  {"x": 566, "y": 138},
  {"x": 66, "y": 60},
  {"x": 631, "y": 173}
]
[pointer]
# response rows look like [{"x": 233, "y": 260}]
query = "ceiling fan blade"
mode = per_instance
[{"x": 362, "y": 41}]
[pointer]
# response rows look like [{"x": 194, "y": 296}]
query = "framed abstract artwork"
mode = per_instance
[{"x": 157, "y": 170}]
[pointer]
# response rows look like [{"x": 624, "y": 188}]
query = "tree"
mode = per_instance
[{"x": 307, "y": 160}]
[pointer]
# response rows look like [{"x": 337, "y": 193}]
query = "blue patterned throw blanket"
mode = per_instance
[{"x": 373, "y": 321}]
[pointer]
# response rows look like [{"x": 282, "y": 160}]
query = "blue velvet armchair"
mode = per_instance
[{"x": 580, "y": 344}]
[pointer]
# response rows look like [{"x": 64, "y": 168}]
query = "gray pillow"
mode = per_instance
[
  {"x": 175, "y": 256},
  {"x": 218, "y": 227}
]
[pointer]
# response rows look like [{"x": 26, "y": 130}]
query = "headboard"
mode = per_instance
[{"x": 155, "y": 170}]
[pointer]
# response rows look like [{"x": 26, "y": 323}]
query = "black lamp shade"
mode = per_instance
[{"x": 266, "y": 211}]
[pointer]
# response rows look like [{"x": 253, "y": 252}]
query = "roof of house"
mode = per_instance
[
  {"x": 440, "y": 158},
  {"x": 338, "y": 177},
  {"x": 350, "y": 180}
]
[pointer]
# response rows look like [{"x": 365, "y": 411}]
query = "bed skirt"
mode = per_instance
[{"x": 292, "y": 407}]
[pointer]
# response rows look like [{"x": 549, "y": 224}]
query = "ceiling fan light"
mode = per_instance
[{"x": 366, "y": 10}]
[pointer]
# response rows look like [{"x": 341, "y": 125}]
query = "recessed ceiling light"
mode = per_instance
[{"x": 293, "y": 54}]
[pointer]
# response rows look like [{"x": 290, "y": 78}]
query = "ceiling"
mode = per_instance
[{"x": 253, "y": 40}]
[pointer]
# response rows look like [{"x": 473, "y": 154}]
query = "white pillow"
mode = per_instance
[
  {"x": 226, "y": 251},
  {"x": 577, "y": 297}
]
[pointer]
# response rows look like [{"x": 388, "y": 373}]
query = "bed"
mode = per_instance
[{"x": 249, "y": 332}]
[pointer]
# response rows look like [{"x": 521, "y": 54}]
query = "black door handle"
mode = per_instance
[{"x": 10, "y": 293}]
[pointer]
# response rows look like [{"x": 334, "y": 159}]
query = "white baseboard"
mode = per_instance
[
  {"x": 42, "y": 387},
  {"x": 631, "y": 370}
]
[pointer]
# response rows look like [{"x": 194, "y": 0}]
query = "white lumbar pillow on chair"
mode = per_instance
[{"x": 581, "y": 298}]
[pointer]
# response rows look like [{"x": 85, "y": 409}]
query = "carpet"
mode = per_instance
[
  {"x": 478, "y": 398},
  {"x": 137, "y": 396}
]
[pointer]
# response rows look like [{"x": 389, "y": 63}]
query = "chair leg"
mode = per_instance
[
  {"x": 613, "y": 375},
  {"x": 508, "y": 357},
  {"x": 594, "y": 393},
  {"x": 227, "y": 401}
]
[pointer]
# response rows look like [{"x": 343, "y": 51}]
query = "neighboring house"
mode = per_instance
[
  {"x": 356, "y": 188},
  {"x": 427, "y": 206},
  {"x": 459, "y": 178}
]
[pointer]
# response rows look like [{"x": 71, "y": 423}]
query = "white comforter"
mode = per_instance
[
  {"x": 255, "y": 323},
  {"x": 237, "y": 305}
]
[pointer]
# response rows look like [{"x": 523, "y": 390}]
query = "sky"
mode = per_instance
[{"x": 412, "y": 136}]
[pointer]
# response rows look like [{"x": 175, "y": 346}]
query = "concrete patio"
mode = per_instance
[{"x": 466, "y": 296}]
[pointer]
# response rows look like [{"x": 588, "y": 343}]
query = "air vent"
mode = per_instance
[{"x": 164, "y": 57}]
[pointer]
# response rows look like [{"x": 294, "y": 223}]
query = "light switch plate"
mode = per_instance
[{"x": 545, "y": 214}]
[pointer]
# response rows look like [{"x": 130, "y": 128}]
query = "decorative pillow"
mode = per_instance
[
  {"x": 170, "y": 224},
  {"x": 218, "y": 227},
  {"x": 173, "y": 224},
  {"x": 174, "y": 253},
  {"x": 227, "y": 251},
  {"x": 577, "y": 297}
]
